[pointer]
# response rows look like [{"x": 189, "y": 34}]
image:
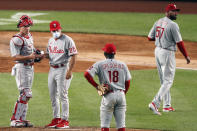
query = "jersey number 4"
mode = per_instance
[
  {"x": 159, "y": 31},
  {"x": 113, "y": 76}
]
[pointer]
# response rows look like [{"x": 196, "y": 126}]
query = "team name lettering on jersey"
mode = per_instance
[
  {"x": 55, "y": 50},
  {"x": 112, "y": 65}
]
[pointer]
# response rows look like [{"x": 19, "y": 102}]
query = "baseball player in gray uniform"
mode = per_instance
[
  {"x": 23, "y": 53},
  {"x": 166, "y": 34},
  {"x": 115, "y": 75},
  {"x": 61, "y": 51}
]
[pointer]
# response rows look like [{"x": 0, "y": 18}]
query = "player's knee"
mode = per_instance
[{"x": 25, "y": 95}]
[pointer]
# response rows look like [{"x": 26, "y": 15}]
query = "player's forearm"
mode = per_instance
[
  {"x": 72, "y": 62},
  {"x": 22, "y": 58},
  {"x": 46, "y": 55},
  {"x": 127, "y": 85},
  {"x": 182, "y": 49},
  {"x": 90, "y": 79}
]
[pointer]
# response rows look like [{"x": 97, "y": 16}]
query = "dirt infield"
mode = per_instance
[{"x": 135, "y": 51}]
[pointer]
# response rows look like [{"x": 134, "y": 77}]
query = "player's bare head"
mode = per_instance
[
  {"x": 24, "y": 21},
  {"x": 109, "y": 50},
  {"x": 171, "y": 11},
  {"x": 55, "y": 29}
]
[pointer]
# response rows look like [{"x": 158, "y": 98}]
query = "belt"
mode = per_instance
[
  {"x": 57, "y": 66},
  {"x": 111, "y": 91},
  {"x": 28, "y": 64}
]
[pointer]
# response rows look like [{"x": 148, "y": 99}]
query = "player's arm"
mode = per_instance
[
  {"x": 46, "y": 54},
  {"x": 127, "y": 85},
  {"x": 71, "y": 65},
  {"x": 23, "y": 58},
  {"x": 151, "y": 35},
  {"x": 90, "y": 79},
  {"x": 128, "y": 79},
  {"x": 183, "y": 51},
  {"x": 178, "y": 39}
]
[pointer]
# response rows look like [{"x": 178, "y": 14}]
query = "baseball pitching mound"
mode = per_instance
[{"x": 69, "y": 129}]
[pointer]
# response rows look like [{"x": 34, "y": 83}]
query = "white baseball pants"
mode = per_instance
[
  {"x": 113, "y": 104},
  {"x": 58, "y": 89},
  {"x": 166, "y": 65}
]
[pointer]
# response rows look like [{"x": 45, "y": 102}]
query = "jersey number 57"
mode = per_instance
[{"x": 159, "y": 31}]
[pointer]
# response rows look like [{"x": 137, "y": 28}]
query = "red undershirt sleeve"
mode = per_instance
[
  {"x": 127, "y": 85},
  {"x": 90, "y": 79},
  {"x": 182, "y": 48}
]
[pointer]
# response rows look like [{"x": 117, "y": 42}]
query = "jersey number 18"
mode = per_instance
[{"x": 113, "y": 76}]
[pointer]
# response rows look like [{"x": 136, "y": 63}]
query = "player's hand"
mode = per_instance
[
  {"x": 32, "y": 56},
  {"x": 188, "y": 59},
  {"x": 68, "y": 74},
  {"x": 41, "y": 56}
]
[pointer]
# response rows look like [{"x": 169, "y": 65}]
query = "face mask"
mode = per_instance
[{"x": 56, "y": 34}]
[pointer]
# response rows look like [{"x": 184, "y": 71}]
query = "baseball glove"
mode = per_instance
[
  {"x": 37, "y": 52},
  {"x": 103, "y": 89}
]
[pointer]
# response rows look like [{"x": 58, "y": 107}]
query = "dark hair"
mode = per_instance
[{"x": 110, "y": 56}]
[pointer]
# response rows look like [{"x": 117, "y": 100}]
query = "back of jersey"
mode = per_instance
[
  {"x": 166, "y": 34},
  {"x": 111, "y": 72}
]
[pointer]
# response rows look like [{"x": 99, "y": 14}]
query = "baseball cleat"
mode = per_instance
[
  {"x": 169, "y": 109},
  {"x": 54, "y": 122},
  {"x": 63, "y": 124},
  {"x": 28, "y": 123},
  {"x": 153, "y": 107},
  {"x": 17, "y": 123}
]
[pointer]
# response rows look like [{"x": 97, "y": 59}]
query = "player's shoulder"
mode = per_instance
[
  {"x": 174, "y": 25},
  {"x": 67, "y": 37},
  {"x": 17, "y": 40},
  {"x": 121, "y": 62},
  {"x": 100, "y": 62}
]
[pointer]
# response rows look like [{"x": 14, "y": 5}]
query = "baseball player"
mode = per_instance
[
  {"x": 61, "y": 51},
  {"x": 115, "y": 75},
  {"x": 23, "y": 53},
  {"x": 165, "y": 32}
]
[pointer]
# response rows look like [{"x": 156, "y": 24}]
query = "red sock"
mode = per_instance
[
  {"x": 121, "y": 129},
  {"x": 104, "y": 129}
]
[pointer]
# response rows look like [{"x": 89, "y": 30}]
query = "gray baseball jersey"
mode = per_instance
[
  {"x": 61, "y": 49},
  {"x": 111, "y": 72},
  {"x": 166, "y": 34},
  {"x": 20, "y": 45}
]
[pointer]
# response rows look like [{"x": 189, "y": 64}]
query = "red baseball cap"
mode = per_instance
[
  {"x": 55, "y": 25},
  {"x": 109, "y": 48},
  {"x": 171, "y": 7}
]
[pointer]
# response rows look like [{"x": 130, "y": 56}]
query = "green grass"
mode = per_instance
[
  {"x": 107, "y": 22},
  {"x": 84, "y": 101}
]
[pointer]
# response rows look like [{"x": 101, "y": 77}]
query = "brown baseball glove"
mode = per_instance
[{"x": 103, "y": 89}]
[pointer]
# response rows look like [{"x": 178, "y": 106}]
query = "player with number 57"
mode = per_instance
[{"x": 115, "y": 75}]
